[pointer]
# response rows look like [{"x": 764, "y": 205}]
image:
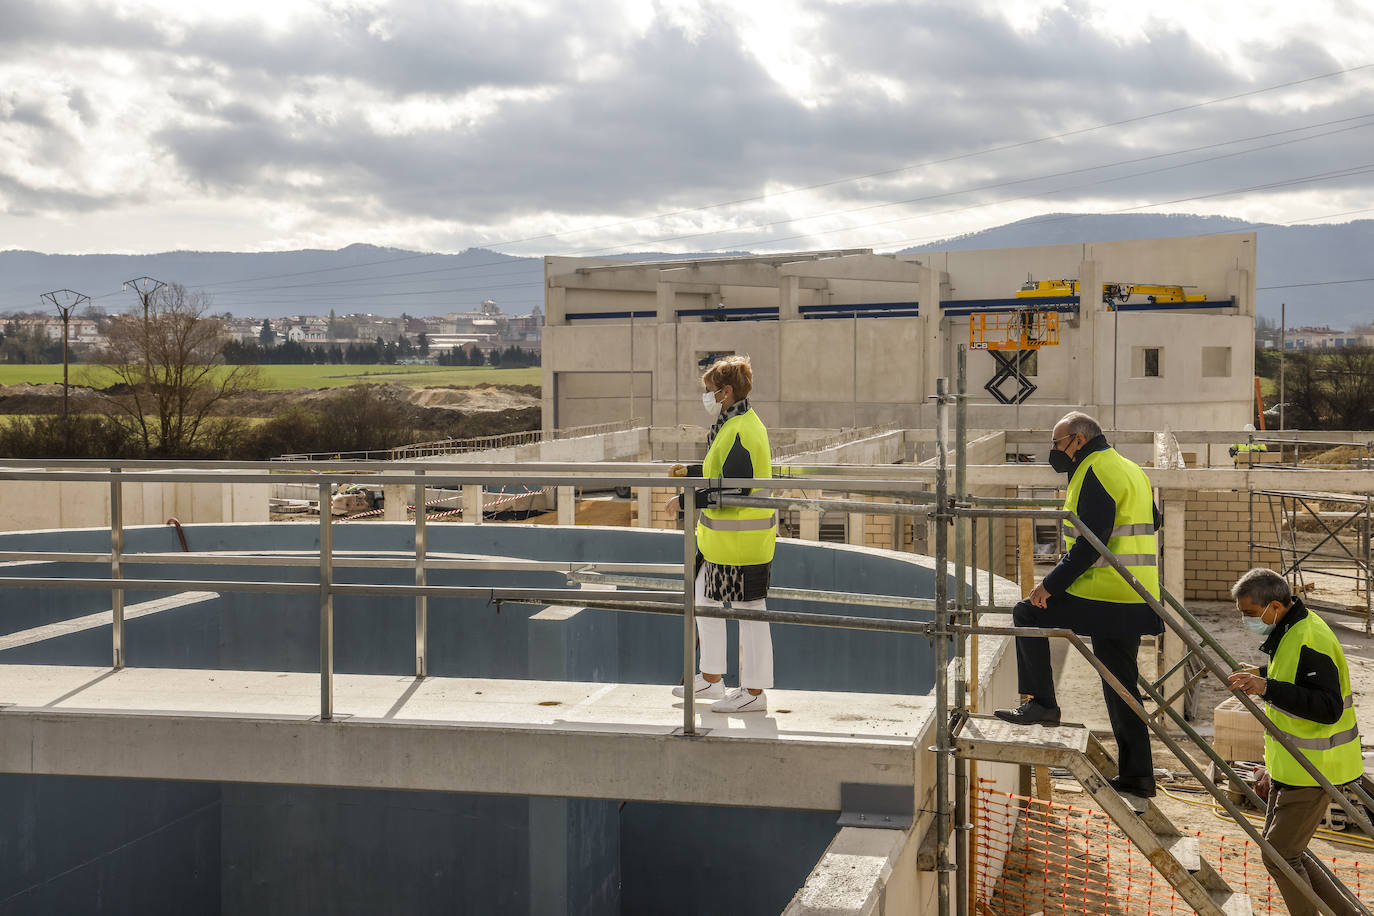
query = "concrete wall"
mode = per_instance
[
  {"x": 269, "y": 849},
  {"x": 73, "y": 845},
  {"x": 26, "y": 505},
  {"x": 622, "y": 445}
]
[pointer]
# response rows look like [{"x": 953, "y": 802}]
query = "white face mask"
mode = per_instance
[{"x": 708, "y": 400}]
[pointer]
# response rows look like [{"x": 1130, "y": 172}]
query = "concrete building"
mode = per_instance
[{"x": 849, "y": 338}]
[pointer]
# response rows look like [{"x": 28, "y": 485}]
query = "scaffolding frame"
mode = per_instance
[
  {"x": 1365, "y": 460},
  {"x": 1299, "y": 562}
]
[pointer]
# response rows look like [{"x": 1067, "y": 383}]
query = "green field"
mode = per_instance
[{"x": 278, "y": 377}]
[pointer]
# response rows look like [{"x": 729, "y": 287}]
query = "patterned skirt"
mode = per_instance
[{"x": 736, "y": 583}]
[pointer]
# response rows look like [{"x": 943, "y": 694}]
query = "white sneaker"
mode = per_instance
[
  {"x": 706, "y": 690},
  {"x": 740, "y": 700}
]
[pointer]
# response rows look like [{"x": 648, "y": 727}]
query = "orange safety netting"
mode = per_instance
[{"x": 1060, "y": 858}]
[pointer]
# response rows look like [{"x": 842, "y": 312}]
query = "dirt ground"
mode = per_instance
[{"x": 47, "y": 399}]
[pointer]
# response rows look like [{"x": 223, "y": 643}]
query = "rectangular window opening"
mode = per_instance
[
  {"x": 1147, "y": 362},
  {"x": 1216, "y": 362}
]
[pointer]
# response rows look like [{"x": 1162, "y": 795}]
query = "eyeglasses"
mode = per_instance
[{"x": 1054, "y": 443}]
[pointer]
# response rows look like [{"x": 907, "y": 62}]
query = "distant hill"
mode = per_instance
[
  {"x": 1287, "y": 255},
  {"x": 359, "y": 278},
  {"x": 392, "y": 281}
]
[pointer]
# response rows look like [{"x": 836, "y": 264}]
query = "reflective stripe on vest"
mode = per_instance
[
  {"x": 1333, "y": 749},
  {"x": 1125, "y": 531},
  {"x": 1132, "y": 539},
  {"x": 1131, "y": 559},
  {"x": 740, "y": 524},
  {"x": 1324, "y": 744},
  {"x": 738, "y": 535}
]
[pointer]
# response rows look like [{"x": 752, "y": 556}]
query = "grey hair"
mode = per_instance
[
  {"x": 1262, "y": 586},
  {"x": 1080, "y": 424}
]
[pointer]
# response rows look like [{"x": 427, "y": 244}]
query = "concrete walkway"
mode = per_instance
[{"x": 519, "y": 737}]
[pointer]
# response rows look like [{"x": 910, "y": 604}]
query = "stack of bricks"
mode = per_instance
[
  {"x": 661, "y": 517},
  {"x": 877, "y": 528},
  {"x": 1217, "y": 544}
]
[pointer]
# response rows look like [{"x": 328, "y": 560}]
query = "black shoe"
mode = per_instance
[
  {"x": 1140, "y": 786},
  {"x": 1031, "y": 712}
]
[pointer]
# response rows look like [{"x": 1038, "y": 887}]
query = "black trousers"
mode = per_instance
[{"x": 1035, "y": 675}]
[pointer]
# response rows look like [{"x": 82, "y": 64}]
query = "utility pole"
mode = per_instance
[
  {"x": 145, "y": 287},
  {"x": 1283, "y": 346},
  {"x": 66, "y": 301}
]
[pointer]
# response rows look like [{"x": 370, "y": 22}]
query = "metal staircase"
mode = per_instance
[
  {"x": 1072, "y": 747},
  {"x": 966, "y": 736}
]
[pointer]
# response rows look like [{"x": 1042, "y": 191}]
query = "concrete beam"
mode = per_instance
[
  {"x": 538, "y": 738},
  {"x": 1037, "y": 475},
  {"x": 857, "y": 267},
  {"x": 864, "y": 872}
]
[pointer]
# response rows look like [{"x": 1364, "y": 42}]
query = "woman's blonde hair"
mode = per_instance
[{"x": 734, "y": 371}]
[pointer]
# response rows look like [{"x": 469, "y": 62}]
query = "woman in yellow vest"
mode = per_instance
[
  {"x": 734, "y": 544},
  {"x": 1306, "y": 688}
]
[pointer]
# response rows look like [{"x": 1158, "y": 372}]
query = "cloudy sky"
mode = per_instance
[{"x": 606, "y": 126}]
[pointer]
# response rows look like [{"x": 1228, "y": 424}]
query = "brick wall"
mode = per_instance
[{"x": 1217, "y": 544}]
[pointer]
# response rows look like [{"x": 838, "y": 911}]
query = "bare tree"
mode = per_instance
[{"x": 171, "y": 373}]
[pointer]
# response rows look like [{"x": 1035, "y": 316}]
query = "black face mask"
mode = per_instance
[{"x": 1060, "y": 461}]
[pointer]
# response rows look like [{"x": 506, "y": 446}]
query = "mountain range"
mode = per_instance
[{"x": 1325, "y": 273}]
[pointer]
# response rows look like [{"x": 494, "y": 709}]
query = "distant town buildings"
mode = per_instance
[
  {"x": 1311, "y": 339},
  {"x": 485, "y": 328}
]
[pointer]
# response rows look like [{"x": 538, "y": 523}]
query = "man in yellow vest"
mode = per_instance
[
  {"x": 1113, "y": 498},
  {"x": 1306, "y": 686}
]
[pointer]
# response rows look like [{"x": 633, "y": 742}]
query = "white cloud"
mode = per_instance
[{"x": 272, "y": 124}]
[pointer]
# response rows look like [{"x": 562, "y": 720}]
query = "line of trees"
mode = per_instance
[
  {"x": 1327, "y": 389},
  {"x": 292, "y": 353},
  {"x": 511, "y": 357}
]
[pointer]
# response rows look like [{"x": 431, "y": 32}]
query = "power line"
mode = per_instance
[
  {"x": 969, "y": 190},
  {"x": 1011, "y": 182},
  {"x": 1318, "y": 283},
  {"x": 923, "y": 164}
]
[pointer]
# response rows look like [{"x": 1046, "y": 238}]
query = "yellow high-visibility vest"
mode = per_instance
[
  {"x": 738, "y": 535},
  {"x": 1335, "y": 749},
  {"x": 1133, "y": 531}
]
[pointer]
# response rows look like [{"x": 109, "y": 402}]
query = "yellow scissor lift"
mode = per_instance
[{"x": 1011, "y": 338}]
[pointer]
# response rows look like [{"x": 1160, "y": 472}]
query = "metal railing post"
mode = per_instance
[
  {"x": 326, "y": 607},
  {"x": 963, "y": 570},
  {"x": 689, "y": 610},
  {"x": 421, "y": 601},
  {"x": 117, "y": 570},
  {"x": 940, "y": 637}
]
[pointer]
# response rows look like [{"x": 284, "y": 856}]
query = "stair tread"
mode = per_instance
[
  {"x": 1185, "y": 849},
  {"x": 1234, "y": 903},
  {"x": 992, "y": 730}
]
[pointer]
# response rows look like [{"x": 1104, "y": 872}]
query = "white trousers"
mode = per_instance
[{"x": 756, "y": 641}]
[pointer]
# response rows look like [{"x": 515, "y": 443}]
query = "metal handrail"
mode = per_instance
[
  {"x": 1195, "y": 647},
  {"x": 1163, "y": 734}
]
